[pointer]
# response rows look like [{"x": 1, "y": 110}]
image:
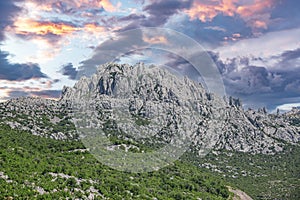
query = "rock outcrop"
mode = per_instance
[{"x": 154, "y": 98}]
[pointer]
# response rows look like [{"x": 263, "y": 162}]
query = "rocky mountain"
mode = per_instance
[
  {"x": 151, "y": 102},
  {"x": 43, "y": 117}
]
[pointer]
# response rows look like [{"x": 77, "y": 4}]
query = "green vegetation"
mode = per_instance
[
  {"x": 260, "y": 176},
  {"x": 142, "y": 121},
  {"x": 33, "y": 167},
  {"x": 43, "y": 168},
  {"x": 295, "y": 122},
  {"x": 118, "y": 137},
  {"x": 64, "y": 125}
]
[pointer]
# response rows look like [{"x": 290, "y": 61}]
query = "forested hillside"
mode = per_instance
[{"x": 35, "y": 167}]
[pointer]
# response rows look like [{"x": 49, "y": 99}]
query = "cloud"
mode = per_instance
[
  {"x": 51, "y": 36},
  {"x": 70, "y": 6},
  {"x": 38, "y": 88},
  {"x": 46, "y": 93},
  {"x": 215, "y": 28},
  {"x": 182, "y": 67},
  {"x": 48, "y": 31},
  {"x": 15, "y": 93},
  {"x": 161, "y": 10},
  {"x": 48, "y": 36},
  {"x": 285, "y": 15},
  {"x": 48, "y": 83},
  {"x": 154, "y": 14},
  {"x": 18, "y": 72},
  {"x": 69, "y": 70},
  {"x": 288, "y": 60},
  {"x": 270, "y": 44},
  {"x": 255, "y": 13},
  {"x": 8, "y": 10},
  {"x": 259, "y": 84},
  {"x": 108, "y": 6},
  {"x": 288, "y": 106},
  {"x": 212, "y": 33},
  {"x": 26, "y": 26},
  {"x": 93, "y": 28},
  {"x": 14, "y": 73},
  {"x": 155, "y": 40},
  {"x": 133, "y": 17},
  {"x": 290, "y": 55},
  {"x": 112, "y": 49},
  {"x": 55, "y": 21},
  {"x": 242, "y": 78}
]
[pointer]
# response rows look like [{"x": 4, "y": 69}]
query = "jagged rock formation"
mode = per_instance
[{"x": 148, "y": 94}]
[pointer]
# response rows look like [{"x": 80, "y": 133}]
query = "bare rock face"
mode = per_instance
[{"x": 155, "y": 98}]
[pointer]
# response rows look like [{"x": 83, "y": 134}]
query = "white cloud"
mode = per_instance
[
  {"x": 287, "y": 107},
  {"x": 270, "y": 44},
  {"x": 215, "y": 28}
]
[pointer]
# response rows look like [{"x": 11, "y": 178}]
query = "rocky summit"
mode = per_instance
[{"x": 154, "y": 100}]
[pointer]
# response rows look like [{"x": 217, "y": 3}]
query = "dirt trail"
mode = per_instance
[{"x": 239, "y": 195}]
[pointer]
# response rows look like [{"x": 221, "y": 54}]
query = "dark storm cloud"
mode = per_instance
[
  {"x": 69, "y": 70},
  {"x": 7, "y": 11},
  {"x": 256, "y": 85},
  {"x": 132, "y": 17},
  {"x": 247, "y": 81},
  {"x": 290, "y": 55},
  {"x": 259, "y": 85},
  {"x": 161, "y": 11},
  {"x": 18, "y": 72},
  {"x": 289, "y": 69}
]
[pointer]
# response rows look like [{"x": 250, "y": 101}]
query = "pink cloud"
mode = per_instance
[
  {"x": 255, "y": 13},
  {"x": 51, "y": 5}
]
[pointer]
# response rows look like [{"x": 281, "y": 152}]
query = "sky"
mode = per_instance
[{"x": 46, "y": 44}]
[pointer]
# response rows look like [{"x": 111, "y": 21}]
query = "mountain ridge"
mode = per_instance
[{"x": 143, "y": 86}]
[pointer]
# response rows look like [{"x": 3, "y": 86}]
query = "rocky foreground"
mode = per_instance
[{"x": 154, "y": 98}]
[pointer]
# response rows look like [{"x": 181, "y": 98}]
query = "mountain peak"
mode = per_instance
[{"x": 139, "y": 80}]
